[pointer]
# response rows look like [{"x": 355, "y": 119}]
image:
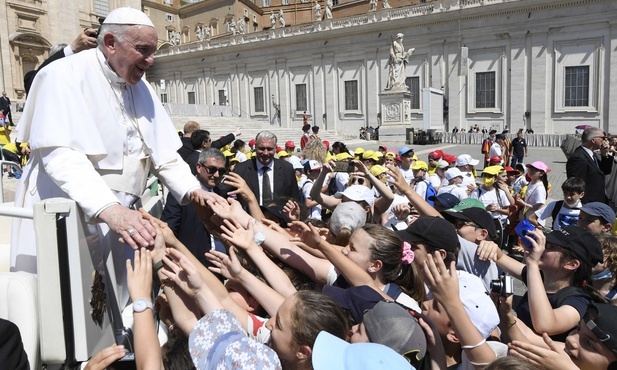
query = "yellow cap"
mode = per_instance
[
  {"x": 342, "y": 156},
  {"x": 493, "y": 170},
  {"x": 234, "y": 160},
  {"x": 415, "y": 157},
  {"x": 228, "y": 153},
  {"x": 283, "y": 154},
  {"x": 391, "y": 155},
  {"x": 419, "y": 165},
  {"x": 370, "y": 154},
  {"x": 378, "y": 169},
  {"x": 358, "y": 151},
  {"x": 330, "y": 157}
]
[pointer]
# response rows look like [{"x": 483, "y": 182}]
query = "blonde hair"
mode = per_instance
[{"x": 315, "y": 150}]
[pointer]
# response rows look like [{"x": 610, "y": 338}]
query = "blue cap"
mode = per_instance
[
  {"x": 333, "y": 353},
  {"x": 600, "y": 209},
  {"x": 404, "y": 150},
  {"x": 445, "y": 199}
]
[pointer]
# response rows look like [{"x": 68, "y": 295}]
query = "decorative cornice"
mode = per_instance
[{"x": 424, "y": 15}]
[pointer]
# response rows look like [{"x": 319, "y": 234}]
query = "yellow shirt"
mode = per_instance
[{"x": 5, "y": 136}]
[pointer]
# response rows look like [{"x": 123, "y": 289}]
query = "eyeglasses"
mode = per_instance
[
  {"x": 600, "y": 137},
  {"x": 212, "y": 170},
  {"x": 461, "y": 223},
  {"x": 357, "y": 180}
]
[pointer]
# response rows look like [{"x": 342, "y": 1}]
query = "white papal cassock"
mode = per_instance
[{"x": 90, "y": 134}]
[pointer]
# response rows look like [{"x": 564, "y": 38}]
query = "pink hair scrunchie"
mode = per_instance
[{"x": 408, "y": 255}]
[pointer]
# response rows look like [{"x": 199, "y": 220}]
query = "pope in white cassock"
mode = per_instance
[{"x": 96, "y": 130}]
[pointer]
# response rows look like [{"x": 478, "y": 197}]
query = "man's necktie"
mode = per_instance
[{"x": 266, "y": 189}]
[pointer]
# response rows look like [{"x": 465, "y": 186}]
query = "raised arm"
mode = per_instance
[
  {"x": 544, "y": 318},
  {"x": 230, "y": 267},
  {"x": 398, "y": 180},
  {"x": 139, "y": 282},
  {"x": 244, "y": 239}
]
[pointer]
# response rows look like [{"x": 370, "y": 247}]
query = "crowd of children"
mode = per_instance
[{"x": 386, "y": 261}]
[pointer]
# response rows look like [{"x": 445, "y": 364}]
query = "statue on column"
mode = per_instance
[
  {"x": 373, "y": 4},
  {"x": 206, "y": 30},
  {"x": 199, "y": 33},
  {"x": 177, "y": 37},
  {"x": 329, "y": 9},
  {"x": 385, "y": 4},
  {"x": 281, "y": 19},
  {"x": 241, "y": 25},
  {"x": 317, "y": 11},
  {"x": 398, "y": 64},
  {"x": 272, "y": 20}
]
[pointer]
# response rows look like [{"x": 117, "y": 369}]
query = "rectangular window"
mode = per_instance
[
  {"x": 101, "y": 7},
  {"x": 266, "y": 2},
  {"x": 169, "y": 17},
  {"x": 413, "y": 84},
  {"x": 169, "y": 2},
  {"x": 577, "y": 86},
  {"x": 285, "y": 2},
  {"x": 163, "y": 98},
  {"x": 334, "y": 2},
  {"x": 351, "y": 95},
  {"x": 259, "y": 99},
  {"x": 191, "y": 97},
  {"x": 301, "y": 102},
  {"x": 222, "y": 97},
  {"x": 485, "y": 90}
]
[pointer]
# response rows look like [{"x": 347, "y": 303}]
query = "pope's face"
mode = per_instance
[{"x": 130, "y": 56}]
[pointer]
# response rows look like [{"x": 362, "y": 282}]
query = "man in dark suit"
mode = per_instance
[
  {"x": 5, "y": 107},
  {"x": 585, "y": 164},
  {"x": 187, "y": 146},
  {"x": 184, "y": 220},
  {"x": 280, "y": 176},
  {"x": 84, "y": 41}
]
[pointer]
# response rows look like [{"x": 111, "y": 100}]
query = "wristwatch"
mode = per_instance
[{"x": 142, "y": 304}]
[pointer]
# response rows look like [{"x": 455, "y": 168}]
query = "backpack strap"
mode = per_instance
[{"x": 556, "y": 210}]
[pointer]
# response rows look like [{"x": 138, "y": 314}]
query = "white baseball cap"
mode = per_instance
[
  {"x": 357, "y": 193},
  {"x": 452, "y": 173},
  {"x": 465, "y": 159}
]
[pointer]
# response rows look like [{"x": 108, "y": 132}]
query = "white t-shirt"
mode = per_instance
[
  {"x": 535, "y": 194},
  {"x": 315, "y": 211},
  {"x": 468, "y": 179},
  {"x": 565, "y": 217},
  {"x": 241, "y": 156},
  {"x": 437, "y": 181},
  {"x": 495, "y": 150},
  {"x": 420, "y": 188},
  {"x": 456, "y": 190},
  {"x": 490, "y": 197},
  {"x": 408, "y": 174}
]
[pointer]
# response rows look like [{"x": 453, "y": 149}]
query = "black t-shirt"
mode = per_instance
[
  {"x": 518, "y": 147},
  {"x": 568, "y": 296}
]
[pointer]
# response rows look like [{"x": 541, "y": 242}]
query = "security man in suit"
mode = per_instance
[
  {"x": 184, "y": 221},
  {"x": 584, "y": 163},
  {"x": 268, "y": 177}
]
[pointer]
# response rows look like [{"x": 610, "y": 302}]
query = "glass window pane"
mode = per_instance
[
  {"x": 259, "y": 99},
  {"x": 485, "y": 90},
  {"x": 576, "y": 89}
]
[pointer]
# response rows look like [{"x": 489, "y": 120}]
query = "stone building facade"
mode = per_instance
[
  {"x": 549, "y": 65},
  {"x": 29, "y": 28}
]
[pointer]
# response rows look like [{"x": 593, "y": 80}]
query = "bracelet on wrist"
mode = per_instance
[{"x": 159, "y": 265}]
